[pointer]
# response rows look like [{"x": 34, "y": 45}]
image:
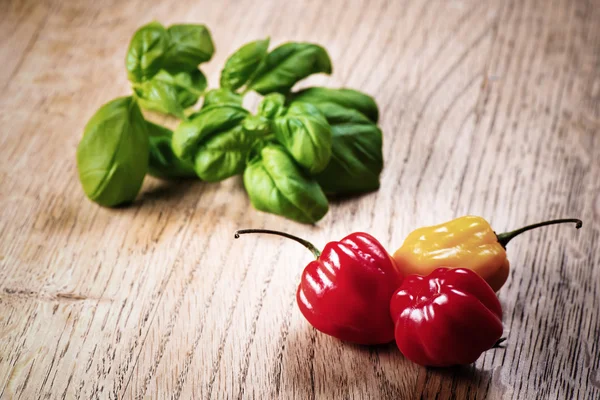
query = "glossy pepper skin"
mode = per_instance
[
  {"x": 345, "y": 292},
  {"x": 467, "y": 242},
  {"x": 449, "y": 317}
]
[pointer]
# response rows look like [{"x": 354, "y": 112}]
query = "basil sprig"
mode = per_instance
[
  {"x": 289, "y": 64},
  {"x": 162, "y": 65},
  {"x": 276, "y": 71},
  {"x": 296, "y": 148}
]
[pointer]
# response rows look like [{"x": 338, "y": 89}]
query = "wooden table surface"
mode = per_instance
[{"x": 489, "y": 108}]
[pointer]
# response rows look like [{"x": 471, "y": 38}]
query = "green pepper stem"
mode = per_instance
[
  {"x": 506, "y": 237},
  {"x": 303, "y": 242}
]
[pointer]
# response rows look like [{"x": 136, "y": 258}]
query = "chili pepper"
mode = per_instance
[
  {"x": 467, "y": 242},
  {"x": 449, "y": 317},
  {"x": 345, "y": 292}
]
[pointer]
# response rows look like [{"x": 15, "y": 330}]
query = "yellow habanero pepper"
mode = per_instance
[{"x": 465, "y": 242}]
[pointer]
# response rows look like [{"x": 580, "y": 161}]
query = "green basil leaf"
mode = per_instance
[
  {"x": 305, "y": 133},
  {"x": 112, "y": 157},
  {"x": 190, "y": 85},
  {"x": 240, "y": 66},
  {"x": 210, "y": 121},
  {"x": 276, "y": 185},
  {"x": 163, "y": 163},
  {"x": 159, "y": 96},
  {"x": 357, "y": 158},
  {"x": 146, "y": 52},
  {"x": 272, "y": 105},
  {"x": 348, "y": 98},
  {"x": 288, "y": 64},
  {"x": 220, "y": 97},
  {"x": 171, "y": 94},
  {"x": 189, "y": 46},
  {"x": 223, "y": 155},
  {"x": 257, "y": 125}
]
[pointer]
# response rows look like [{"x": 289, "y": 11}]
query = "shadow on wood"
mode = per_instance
[
  {"x": 167, "y": 190},
  {"x": 463, "y": 381},
  {"x": 349, "y": 198},
  {"x": 325, "y": 367}
]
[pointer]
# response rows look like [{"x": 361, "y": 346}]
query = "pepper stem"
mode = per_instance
[
  {"x": 506, "y": 237},
  {"x": 303, "y": 242}
]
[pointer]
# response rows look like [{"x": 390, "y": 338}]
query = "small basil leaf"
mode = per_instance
[
  {"x": 240, "y": 66},
  {"x": 272, "y": 105},
  {"x": 146, "y": 52},
  {"x": 357, "y": 159},
  {"x": 159, "y": 96},
  {"x": 221, "y": 96},
  {"x": 190, "y": 86},
  {"x": 112, "y": 157},
  {"x": 163, "y": 163},
  {"x": 288, "y": 64},
  {"x": 348, "y": 98},
  {"x": 257, "y": 125},
  {"x": 171, "y": 94},
  {"x": 305, "y": 133},
  {"x": 276, "y": 185},
  {"x": 223, "y": 155},
  {"x": 189, "y": 46},
  {"x": 212, "y": 120}
]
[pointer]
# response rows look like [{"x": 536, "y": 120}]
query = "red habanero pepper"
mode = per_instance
[
  {"x": 346, "y": 291},
  {"x": 449, "y": 317}
]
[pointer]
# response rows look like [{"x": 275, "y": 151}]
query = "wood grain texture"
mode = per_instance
[{"x": 488, "y": 108}]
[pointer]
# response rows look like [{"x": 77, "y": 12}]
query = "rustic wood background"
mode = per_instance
[{"x": 488, "y": 107}]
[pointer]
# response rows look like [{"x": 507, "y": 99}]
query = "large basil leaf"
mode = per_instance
[
  {"x": 305, "y": 133},
  {"x": 112, "y": 157},
  {"x": 288, "y": 64},
  {"x": 357, "y": 158},
  {"x": 221, "y": 96},
  {"x": 171, "y": 94},
  {"x": 276, "y": 185},
  {"x": 189, "y": 46},
  {"x": 348, "y": 98},
  {"x": 163, "y": 163},
  {"x": 146, "y": 52},
  {"x": 224, "y": 154},
  {"x": 210, "y": 121},
  {"x": 240, "y": 66}
]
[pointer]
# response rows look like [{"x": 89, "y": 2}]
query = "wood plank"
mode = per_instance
[{"x": 488, "y": 108}]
